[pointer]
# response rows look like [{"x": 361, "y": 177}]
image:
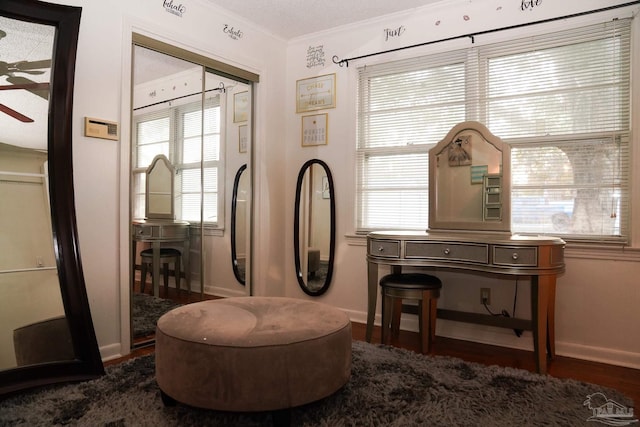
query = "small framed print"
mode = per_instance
[
  {"x": 315, "y": 130},
  {"x": 242, "y": 139},
  {"x": 240, "y": 107},
  {"x": 316, "y": 93}
]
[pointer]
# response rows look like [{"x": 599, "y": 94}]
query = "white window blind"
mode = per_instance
[
  {"x": 178, "y": 133},
  {"x": 561, "y": 101},
  {"x": 404, "y": 108}
]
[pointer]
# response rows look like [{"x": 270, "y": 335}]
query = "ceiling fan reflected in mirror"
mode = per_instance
[{"x": 14, "y": 73}]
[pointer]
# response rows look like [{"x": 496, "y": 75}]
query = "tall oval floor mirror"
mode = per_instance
[
  {"x": 46, "y": 330},
  {"x": 314, "y": 227}
]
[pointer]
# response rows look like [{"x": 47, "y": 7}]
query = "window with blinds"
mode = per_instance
[
  {"x": 561, "y": 100},
  {"x": 193, "y": 147}
]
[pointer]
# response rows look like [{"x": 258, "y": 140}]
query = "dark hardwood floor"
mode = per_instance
[{"x": 625, "y": 380}]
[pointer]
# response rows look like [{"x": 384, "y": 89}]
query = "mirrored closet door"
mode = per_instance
[{"x": 191, "y": 133}]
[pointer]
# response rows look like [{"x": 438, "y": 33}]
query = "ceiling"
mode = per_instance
[{"x": 293, "y": 18}]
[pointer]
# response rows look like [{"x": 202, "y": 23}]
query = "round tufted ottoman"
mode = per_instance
[{"x": 252, "y": 353}]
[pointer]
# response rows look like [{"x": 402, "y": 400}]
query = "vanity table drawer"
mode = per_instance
[
  {"x": 142, "y": 231},
  {"x": 384, "y": 248},
  {"x": 467, "y": 252},
  {"x": 515, "y": 255},
  {"x": 174, "y": 232}
]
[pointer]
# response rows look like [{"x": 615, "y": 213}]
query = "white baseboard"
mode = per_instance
[
  {"x": 599, "y": 354},
  {"x": 507, "y": 338},
  {"x": 111, "y": 351},
  {"x": 223, "y": 292}
]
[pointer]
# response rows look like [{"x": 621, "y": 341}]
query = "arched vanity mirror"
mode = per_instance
[
  {"x": 239, "y": 224},
  {"x": 159, "y": 189},
  {"x": 314, "y": 227},
  {"x": 46, "y": 332},
  {"x": 470, "y": 181}
]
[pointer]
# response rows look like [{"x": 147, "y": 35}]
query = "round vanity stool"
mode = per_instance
[
  {"x": 413, "y": 286},
  {"x": 167, "y": 255},
  {"x": 252, "y": 353}
]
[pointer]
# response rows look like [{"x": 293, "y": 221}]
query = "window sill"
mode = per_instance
[{"x": 209, "y": 230}]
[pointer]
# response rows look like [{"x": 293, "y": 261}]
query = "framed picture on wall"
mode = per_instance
[
  {"x": 242, "y": 138},
  {"x": 240, "y": 107},
  {"x": 316, "y": 93},
  {"x": 315, "y": 130}
]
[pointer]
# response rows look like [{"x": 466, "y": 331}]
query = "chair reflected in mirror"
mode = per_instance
[{"x": 167, "y": 256}]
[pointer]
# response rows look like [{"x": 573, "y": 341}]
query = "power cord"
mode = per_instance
[{"x": 505, "y": 313}]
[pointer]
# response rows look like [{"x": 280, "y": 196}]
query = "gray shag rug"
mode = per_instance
[
  {"x": 145, "y": 312},
  {"x": 388, "y": 387}
]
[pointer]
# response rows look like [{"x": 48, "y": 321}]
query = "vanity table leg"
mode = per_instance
[
  {"x": 372, "y": 291},
  {"x": 155, "y": 277},
  {"x": 539, "y": 310},
  {"x": 186, "y": 249},
  {"x": 550, "y": 283},
  {"x": 134, "y": 245}
]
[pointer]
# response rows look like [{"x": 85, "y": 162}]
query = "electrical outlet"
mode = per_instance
[{"x": 485, "y": 296}]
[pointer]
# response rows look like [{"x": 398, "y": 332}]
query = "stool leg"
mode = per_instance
[
  {"x": 395, "y": 318},
  {"x": 143, "y": 277},
  {"x": 386, "y": 317},
  {"x": 432, "y": 322},
  {"x": 178, "y": 275},
  {"x": 425, "y": 320},
  {"x": 166, "y": 279}
]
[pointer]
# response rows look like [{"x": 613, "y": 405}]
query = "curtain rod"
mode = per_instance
[{"x": 343, "y": 62}]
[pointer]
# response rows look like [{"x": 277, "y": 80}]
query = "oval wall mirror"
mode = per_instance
[
  {"x": 46, "y": 333},
  {"x": 314, "y": 227},
  {"x": 239, "y": 224}
]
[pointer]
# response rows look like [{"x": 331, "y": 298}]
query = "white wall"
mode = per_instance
[{"x": 598, "y": 297}]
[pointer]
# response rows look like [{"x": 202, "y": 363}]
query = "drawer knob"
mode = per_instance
[
  {"x": 447, "y": 251},
  {"x": 380, "y": 249},
  {"x": 515, "y": 255},
  {"x": 140, "y": 231}
]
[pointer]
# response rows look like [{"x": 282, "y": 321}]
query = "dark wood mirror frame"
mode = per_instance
[
  {"x": 296, "y": 229},
  {"x": 234, "y": 250},
  {"x": 87, "y": 363}
]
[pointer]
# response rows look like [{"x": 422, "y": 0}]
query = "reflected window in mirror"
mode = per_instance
[
  {"x": 314, "y": 227},
  {"x": 184, "y": 129}
]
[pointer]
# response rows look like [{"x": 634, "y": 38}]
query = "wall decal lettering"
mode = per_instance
[
  {"x": 232, "y": 32},
  {"x": 315, "y": 56},
  {"x": 530, "y": 4},
  {"x": 393, "y": 32},
  {"x": 175, "y": 9}
]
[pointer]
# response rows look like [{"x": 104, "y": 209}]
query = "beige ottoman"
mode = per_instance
[{"x": 252, "y": 353}]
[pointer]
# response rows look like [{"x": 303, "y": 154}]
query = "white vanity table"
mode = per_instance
[{"x": 469, "y": 230}]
